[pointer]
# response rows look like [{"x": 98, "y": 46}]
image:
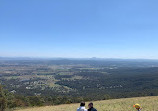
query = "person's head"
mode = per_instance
[
  {"x": 90, "y": 105},
  {"x": 137, "y": 106},
  {"x": 82, "y": 104}
]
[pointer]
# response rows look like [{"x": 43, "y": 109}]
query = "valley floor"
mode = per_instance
[{"x": 126, "y": 104}]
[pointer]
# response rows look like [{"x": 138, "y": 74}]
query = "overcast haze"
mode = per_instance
[{"x": 79, "y": 28}]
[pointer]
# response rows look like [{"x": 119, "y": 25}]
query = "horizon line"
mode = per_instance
[{"x": 29, "y": 57}]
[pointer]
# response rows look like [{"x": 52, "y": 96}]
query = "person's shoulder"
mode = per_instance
[
  {"x": 81, "y": 109},
  {"x": 84, "y": 109},
  {"x": 78, "y": 109},
  {"x": 94, "y": 109}
]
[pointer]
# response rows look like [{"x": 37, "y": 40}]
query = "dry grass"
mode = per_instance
[{"x": 147, "y": 103}]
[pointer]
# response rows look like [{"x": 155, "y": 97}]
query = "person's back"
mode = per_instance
[
  {"x": 82, "y": 107},
  {"x": 92, "y": 109}
]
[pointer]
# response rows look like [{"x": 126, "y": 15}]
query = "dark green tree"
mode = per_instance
[{"x": 3, "y": 101}]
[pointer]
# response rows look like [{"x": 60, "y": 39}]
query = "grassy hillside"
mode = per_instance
[{"x": 147, "y": 103}]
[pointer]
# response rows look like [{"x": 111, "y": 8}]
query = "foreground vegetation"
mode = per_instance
[{"x": 147, "y": 103}]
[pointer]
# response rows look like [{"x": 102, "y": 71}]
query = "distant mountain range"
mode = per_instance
[{"x": 60, "y": 58}]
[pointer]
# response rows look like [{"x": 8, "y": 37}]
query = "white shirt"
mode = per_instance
[{"x": 82, "y": 108}]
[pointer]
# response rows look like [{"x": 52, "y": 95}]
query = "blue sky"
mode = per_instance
[{"x": 79, "y": 28}]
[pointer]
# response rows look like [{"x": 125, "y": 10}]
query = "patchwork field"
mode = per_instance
[{"x": 147, "y": 103}]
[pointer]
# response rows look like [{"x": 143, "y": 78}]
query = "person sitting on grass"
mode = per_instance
[
  {"x": 137, "y": 106},
  {"x": 90, "y": 105},
  {"x": 82, "y": 107}
]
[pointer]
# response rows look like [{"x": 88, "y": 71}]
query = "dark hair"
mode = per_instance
[
  {"x": 82, "y": 104},
  {"x": 90, "y": 104}
]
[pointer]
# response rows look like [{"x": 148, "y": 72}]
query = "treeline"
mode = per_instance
[{"x": 9, "y": 100}]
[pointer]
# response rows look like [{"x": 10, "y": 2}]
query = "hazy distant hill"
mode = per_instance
[{"x": 60, "y": 58}]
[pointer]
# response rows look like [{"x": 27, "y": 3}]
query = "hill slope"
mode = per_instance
[{"x": 147, "y": 103}]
